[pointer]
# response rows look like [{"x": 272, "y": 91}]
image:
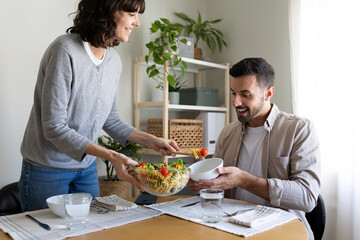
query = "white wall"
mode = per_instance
[
  {"x": 26, "y": 27},
  {"x": 256, "y": 28},
  {"x": 251, "y": 27}
]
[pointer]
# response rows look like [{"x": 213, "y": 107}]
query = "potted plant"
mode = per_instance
[
  {"x": 174, "y": 91},
  {"x": 203, "y": 30},
  {"x": 111, "y": 184},
  {"x": 164, "y": 49}
]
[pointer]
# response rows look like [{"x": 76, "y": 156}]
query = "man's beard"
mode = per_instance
[{"x": 250, "y": 113}]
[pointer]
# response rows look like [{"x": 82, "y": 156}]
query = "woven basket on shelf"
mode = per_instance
[{"x": 187, "y": 133}]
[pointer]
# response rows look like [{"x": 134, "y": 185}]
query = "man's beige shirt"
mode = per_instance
[{"x": 291, "y": 160}]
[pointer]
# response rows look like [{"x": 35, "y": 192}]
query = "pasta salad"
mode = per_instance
[{"x": 162, "y": 179}]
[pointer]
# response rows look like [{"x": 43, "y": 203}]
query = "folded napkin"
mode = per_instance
[
  {"x": 113, "y": 203},
  {"x": 259, "y": 216}
]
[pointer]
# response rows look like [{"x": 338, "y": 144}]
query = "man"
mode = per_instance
[{"x": 270, "y": 157}]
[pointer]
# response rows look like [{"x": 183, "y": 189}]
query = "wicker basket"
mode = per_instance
[
  {"x": 187, "y": 133},
  {"x": 121, "y": 188}
]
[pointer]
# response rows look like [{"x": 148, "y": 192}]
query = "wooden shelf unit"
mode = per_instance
[{"x": 193, "y": 66}]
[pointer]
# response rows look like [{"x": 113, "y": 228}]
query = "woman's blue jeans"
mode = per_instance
[{"x": 38, "y": 183}]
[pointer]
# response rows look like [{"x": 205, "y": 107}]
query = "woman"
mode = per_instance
[{"x": 75, "y": 97}]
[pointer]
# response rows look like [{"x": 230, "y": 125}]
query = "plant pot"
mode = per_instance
[
  {"x": 119, "y": 187},
  {"x": 156, "y": 95},
  {"x": 174, "y": 97},
  {"x": 198, "y": 53}
]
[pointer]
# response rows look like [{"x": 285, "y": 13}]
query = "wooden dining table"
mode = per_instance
[{"x": 169, "y": 227}]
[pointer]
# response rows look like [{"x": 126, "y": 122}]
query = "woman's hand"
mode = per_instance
[
  {"x": 118, "y": 160},
  {"x": 121, "y": 163},
  {"x": 162, "y": 145}
]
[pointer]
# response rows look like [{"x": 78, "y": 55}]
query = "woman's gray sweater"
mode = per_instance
[{"x": 73, "y": 100}]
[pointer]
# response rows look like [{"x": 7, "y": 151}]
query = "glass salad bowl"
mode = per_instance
[{"x": 162, "y": 179}]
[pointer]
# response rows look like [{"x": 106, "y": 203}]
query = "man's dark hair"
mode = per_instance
[
  {"x": 95, "y": 22},
  {"x": 264, "y": 72}
]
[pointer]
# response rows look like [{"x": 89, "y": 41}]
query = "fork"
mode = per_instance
[
  {"x": 100, "y": 209},
  {"x": 235, "y": 213}
]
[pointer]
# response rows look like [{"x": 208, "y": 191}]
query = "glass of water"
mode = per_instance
[
  {"x": 77, "y": 208},
  {"x": 212, "y": 204}
]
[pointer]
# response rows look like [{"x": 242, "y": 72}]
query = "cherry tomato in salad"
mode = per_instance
[
  {"x": 178, "y": 166},
  {"x": 142, "y": 164},
  {"x": 164, "y": 171},
  {"x": 204, "y": 152}
]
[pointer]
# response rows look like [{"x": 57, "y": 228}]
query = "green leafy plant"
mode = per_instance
[
  {"x": 131, "y": 150},
  {"x": 213, "y": 37},
  {"x": 164, "y": 49},
  {"x": 179, "y": 84}
]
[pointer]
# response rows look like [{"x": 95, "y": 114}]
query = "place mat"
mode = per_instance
[
  {"x": 19, "y": 227},
  {"x": 190, "y": 209},
  {"x": 113, "y": 203}
]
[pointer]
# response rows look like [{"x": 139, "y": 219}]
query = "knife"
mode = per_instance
[
  {"x": 190, "y": 204},
  {"x": 43, "y": 225}
]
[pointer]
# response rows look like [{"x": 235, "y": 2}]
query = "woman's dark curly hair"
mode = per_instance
[{"x": 95, "y": 23}]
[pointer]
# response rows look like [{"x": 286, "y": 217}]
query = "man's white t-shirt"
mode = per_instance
[{"x": 250, "y": 159}]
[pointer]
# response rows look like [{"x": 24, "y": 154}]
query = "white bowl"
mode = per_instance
[
  {"x": 56, "y": 205},
  {"x": 205, "y": 169}
]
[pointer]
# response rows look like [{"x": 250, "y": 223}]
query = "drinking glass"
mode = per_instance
[
  {"x": 212, "y": 205},
  {"x": 77, "y": 208}
]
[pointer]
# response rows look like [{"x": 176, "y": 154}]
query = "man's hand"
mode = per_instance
[{"x": 229, "y": 178}]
